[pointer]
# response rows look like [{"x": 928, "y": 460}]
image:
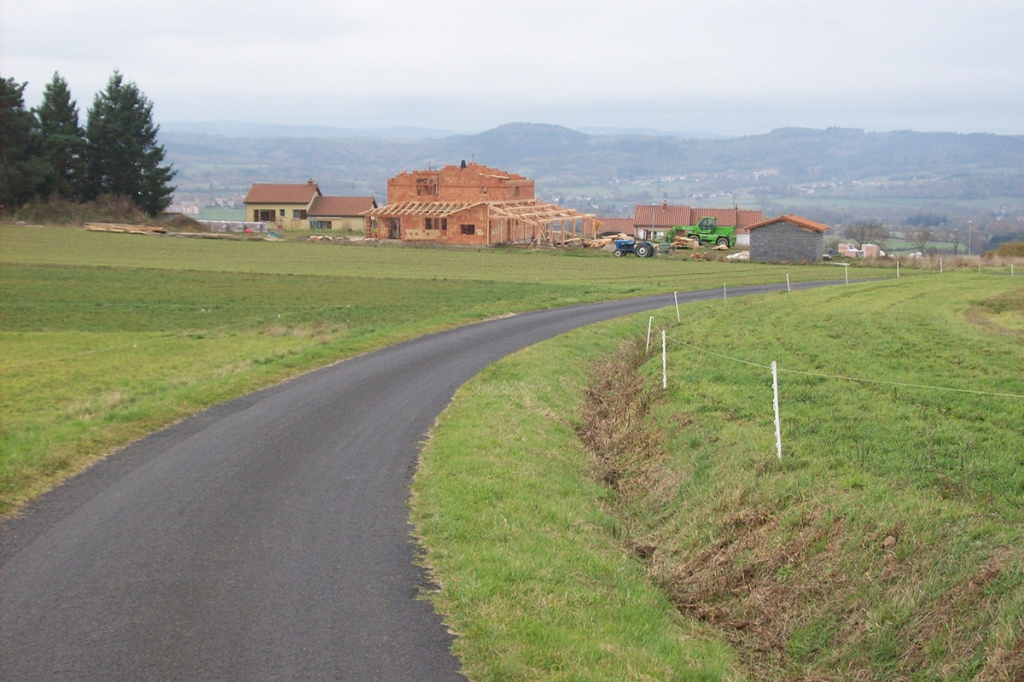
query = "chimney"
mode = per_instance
[
  {"x": 463, "y": 166},
  {"x": 664, "y": 206},
  {"x": 310, "y": 182}
]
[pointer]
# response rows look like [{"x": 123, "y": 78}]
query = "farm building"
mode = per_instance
[
  {"x": 786, "y": 238},
  {"x": 289, "y": 206},
  {"x": 472, "y": 204},
  {"x": 651, "y": 220},
  {"x": 339, "y": 213}
]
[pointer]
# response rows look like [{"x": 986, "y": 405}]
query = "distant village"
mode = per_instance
[{"x": 475, "y": 205}]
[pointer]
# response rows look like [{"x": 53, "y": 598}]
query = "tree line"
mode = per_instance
[{"x": 46, "y": 154}]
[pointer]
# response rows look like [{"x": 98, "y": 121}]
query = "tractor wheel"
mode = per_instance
[
  {"x": 643, "y": 250},
  {"x": 722, "y": 241},
  {"x": 619, "y": 253}
]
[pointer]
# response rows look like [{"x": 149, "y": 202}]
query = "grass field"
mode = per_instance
[
  {"x": 886, "y": 544},
  {"x": 106, "y": 337}
]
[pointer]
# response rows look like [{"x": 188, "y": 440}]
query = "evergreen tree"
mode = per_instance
[
  {"x": 122, "y": 154},
  {"x": 63, "y": 140},
  {"x": 21, "y": 165}
]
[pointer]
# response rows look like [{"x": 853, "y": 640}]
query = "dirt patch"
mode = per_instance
[{"x": 615, "y": 427}]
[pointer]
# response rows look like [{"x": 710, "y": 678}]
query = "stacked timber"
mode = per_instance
[{"x": 125, "y": 229}]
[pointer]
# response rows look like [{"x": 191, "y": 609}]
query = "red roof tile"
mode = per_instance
[
  {"x": 341, "y": 206},
  {"x": 660, "y": 216},
  {"x": 792, "y": 220},
  {"x": 669, "y": 216},
  {"x": 270, "y": 193}
]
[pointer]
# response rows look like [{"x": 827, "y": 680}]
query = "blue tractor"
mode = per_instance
[{"x": 642, "y": 249}]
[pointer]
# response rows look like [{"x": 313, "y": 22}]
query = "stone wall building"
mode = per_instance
[{"x": 788, "y": 238}]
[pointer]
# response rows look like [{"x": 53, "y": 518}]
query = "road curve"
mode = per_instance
[{"x": 263, "y": 539}]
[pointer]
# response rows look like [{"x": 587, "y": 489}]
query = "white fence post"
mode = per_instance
[
  {"x": 725, "y": 296},
  {"x": 897, "y": 268},
  {"x": 676, "y": 297},
  {"x": 778, "y": 424},
  {"x": 846, "y": 269},
  {"x": 650, "y": 321},
  {"x": 940, "y": 265},
  {"x": 788, "y": 290},
  {"x": 664, "y": 362}
]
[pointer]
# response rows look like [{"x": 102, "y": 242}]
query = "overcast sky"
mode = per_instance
[{"x": 728, "y": 66}]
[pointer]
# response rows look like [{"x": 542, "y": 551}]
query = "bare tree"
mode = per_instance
[
  {"x": 954, "y": 237},
  {"x": 920, "y": 238},
  {"x": 867, "y": 232}
]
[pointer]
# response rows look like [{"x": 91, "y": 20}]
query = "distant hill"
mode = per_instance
[
  {"x": 850, "y": 166},
  {"x": 244, "y": 129}
]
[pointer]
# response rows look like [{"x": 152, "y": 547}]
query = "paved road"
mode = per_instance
[{"x": 264, "y": 539}]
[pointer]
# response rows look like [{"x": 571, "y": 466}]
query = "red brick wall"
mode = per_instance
[{"x": 454, "y": 183}]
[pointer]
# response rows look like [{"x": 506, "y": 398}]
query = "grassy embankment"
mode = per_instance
[
  {"x": 585, "y": 524},
  {"x": 106, "y": 337}
]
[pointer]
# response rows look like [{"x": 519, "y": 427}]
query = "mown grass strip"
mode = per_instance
[{"x": 885, "y": 545}]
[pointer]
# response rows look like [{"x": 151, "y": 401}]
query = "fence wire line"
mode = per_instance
[
  {"x": 845, "y": 378},
  {"x": 161, "y": 338}
]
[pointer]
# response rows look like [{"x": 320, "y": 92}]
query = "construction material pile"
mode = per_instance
[{"x": 601, "y": 242}]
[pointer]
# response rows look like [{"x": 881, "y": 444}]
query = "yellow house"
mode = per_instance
[
  {"x": 340, "y": 213},
  {"x": 285, "y": 205}
]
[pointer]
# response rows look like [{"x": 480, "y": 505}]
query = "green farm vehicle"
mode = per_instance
[{"x": 707, "y": 232}]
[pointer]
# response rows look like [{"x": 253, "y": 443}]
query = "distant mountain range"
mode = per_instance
[
  {"x": 244, "y": 129},
  {"x": 920, "y": 168}
]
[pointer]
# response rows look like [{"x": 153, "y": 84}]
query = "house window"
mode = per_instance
[
  {"x": 430, "y": 223},
  {"x": 483, "y": 190},
  {"x": 468, "y": 229},
  {"x": 282, "y": 212},
  {"x": 444, "y": 224},
  {"x": 298, "y": 214},
  {"x": 264, "y": 216},
  {"x": 517, "y": 190}
]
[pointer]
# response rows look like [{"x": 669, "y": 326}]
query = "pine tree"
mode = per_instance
[
  {"x": 63, "y": 140},
  {"x": 21, "y": 165},
  {"x": 122, "y": 154}
]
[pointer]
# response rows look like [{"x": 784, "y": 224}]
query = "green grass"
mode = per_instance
[
  {"x": 67, "y": 246},
  {"x": 107, "y": 337},
  {"x": 885, "y": 545}
]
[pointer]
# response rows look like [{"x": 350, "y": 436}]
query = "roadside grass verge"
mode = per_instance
[
  {"x": 887, "y": 543},
  {"x": 534, "y": 579}
]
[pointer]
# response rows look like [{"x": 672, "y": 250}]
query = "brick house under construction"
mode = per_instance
[{"x": 472, "y": 204}]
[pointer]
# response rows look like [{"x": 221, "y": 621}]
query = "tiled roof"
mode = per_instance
[
  {"x": 341, "y": 206},
  {"x": 660, "y": 216},
  {"x": 670, "y": 216},
  {"x": 792, "y": 220},
  {"x": 270, "y": 193}
]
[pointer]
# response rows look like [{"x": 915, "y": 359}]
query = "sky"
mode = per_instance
[{"x": 733, "y": 67}]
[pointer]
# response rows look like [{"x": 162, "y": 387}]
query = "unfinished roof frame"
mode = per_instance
[{"x": 526, "y": 221}]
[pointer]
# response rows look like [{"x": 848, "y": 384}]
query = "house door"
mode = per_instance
[{"x": 396, "y": 228}]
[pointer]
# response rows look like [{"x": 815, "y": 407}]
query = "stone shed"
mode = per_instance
[{"x": 787, "y": 238}]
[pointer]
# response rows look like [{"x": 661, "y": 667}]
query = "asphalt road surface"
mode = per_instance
[{"x": 264, "y": 539}]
